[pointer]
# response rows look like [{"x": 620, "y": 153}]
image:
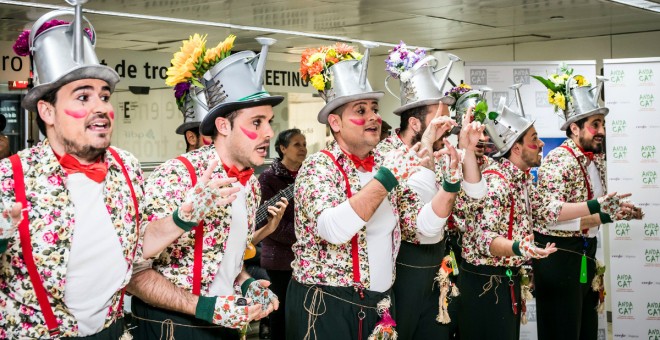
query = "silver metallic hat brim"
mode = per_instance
[
  {"x": 448, "y": 100},
  {"x": 339, "y": 101},
  {"x": 181, "y": 130},
  {"x": 510, "y": 144},
  {"x": 207, "y": 127},
  {"x": 101, "y": 72},
  {"x": 599, "y": 111}
]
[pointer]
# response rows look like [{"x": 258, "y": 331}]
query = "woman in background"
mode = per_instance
[{"x": 276, "y": 253}]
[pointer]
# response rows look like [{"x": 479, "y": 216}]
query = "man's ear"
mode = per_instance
[
  {"x": 46, "y": 112},
  {"x": 574, "y": 129},
  {"x": 335, "y": 122},
  {"x": 223, "y": 126}
]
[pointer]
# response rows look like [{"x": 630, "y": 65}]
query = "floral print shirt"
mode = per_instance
[
  {"x": 319, "y": 186},
  {"x": 52, "y": 219},
  {"x": 165, "y": 191},
  {"x": 457, "y": 219},
  {"x": 488, "y": 218},
  {"x": 560, "y": 178}
]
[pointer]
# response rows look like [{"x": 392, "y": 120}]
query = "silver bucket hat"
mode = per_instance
[
  {"x": 508, "y": 126},
  {"x": 236, "y": 83},
  {"x": 63, "y": 54},
  {"x": 348, "y": 82},
  {"x": 583, "y": 102},
  {"x": 422, "y": 88},
  {"x": 194, "y": 110}
]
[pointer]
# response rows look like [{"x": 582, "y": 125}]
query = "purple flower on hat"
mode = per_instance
[
  {"x": 401, "y": 59},
  {"x": 181, "y": 89},
  {"x": 22, "y": 45}
]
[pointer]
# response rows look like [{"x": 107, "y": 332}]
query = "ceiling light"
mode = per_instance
[
  {"x": 642, "y": 4},
  {"x": 556, "y": 17}
]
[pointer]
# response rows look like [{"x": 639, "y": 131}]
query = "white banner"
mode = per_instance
[{"x": 633, "y": 136}]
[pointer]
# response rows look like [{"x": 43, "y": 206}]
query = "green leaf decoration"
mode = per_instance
[
  {"x": 481, "y": 106},
  {"x": 196, "y": 82},
  {"x": 546, "y": 82},
  {"x": 492, "y": 115}
]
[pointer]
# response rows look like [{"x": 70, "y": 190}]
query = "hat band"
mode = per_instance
[{"x": 258, "y": 95}]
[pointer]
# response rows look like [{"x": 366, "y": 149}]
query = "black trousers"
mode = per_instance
[
  {"x": 488, "y": 315},
  {"x": 566, "y": 308},
  {"x": 279, "y": 281},
  {"x": 146, "y": 330},
  {"x": 337, "y": 311},
  {"x": 114, "y": 331},
  {"x": 417, "y": 293}
]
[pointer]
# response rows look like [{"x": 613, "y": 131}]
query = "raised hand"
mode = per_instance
[
  {"x": 449, "y": 159},
  {"x": 438, "y": 127},
  {"x": 529, "y": 249},
  {"x": 471, "y": 131},
  {"x": 276, "y": 213},
  {"x": 629, "y": 211},
  {"x": 402, "y": 163},
  {"x": 206, "y": 195},
  {"x": 611, "y": 204}
]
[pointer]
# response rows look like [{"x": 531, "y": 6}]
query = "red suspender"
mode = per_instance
[
  {"x": 584, "y": 172},
  {"x": 510, "y": 233},
  {"x": 354, "y": 243},
  {"x": 26, "y": 247},
  {"x": 199, "y": 235}
]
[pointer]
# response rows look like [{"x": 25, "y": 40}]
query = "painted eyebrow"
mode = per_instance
[{"x": 90, "y": 87}]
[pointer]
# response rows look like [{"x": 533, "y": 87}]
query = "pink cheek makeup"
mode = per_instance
[
  {"x": 76, "y": 114},
  {"x": 358, "y": 122},
  {"x": 592, "y": 130},
  {"x": 112, "y": 115},
  {"x": 249, "y": 134},
  {"x": 380, "y": 120},
  {"x": 533, "y": 147}
]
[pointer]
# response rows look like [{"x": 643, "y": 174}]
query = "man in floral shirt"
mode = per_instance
[
  {"x": 199, "y": 280},
  {"x": 567, "y": 302},
  {"x": 499, "y": 239},
  {"x": 75, "y": 201}
]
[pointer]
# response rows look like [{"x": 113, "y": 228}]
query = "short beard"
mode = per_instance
[
  {"x": 86, "y": 152},
  {"x": 417, "y": 137},
  {"x": 531, "y": 161},
  {"x": 591, "y": 147}
]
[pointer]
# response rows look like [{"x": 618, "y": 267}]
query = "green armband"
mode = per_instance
[
  {"x": 451, "y": 187},
  {"x": 516, "y": 248},
  {"x": 206, "y": 308},
  {"x": 3, "y": 245},
  {"x": 594, "y": 206},
  {"x": 386, "y": 178},
  {"x": 605, "y": 218},
  {"x": 186, "y": 226},
  {"x": 246, "y": 285}
]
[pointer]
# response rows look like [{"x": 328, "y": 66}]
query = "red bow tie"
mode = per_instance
[
  {"x": 96, "y": 171},
  {"x": 367, "y": 163},
  {"x": 588, "y": 154},
  {"x": 243, "y": 176}
]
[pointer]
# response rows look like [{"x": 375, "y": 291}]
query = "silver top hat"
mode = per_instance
[
  {"x": 508, "y": 126},
  {"x": 63, "y": 54},
  {"x": 348, "y": 82},
  {"x": 422, "y": 88},
  {"x": 469, "y": 99},
  {"x": 583, "y": 102},
  {"x": 236, "y": 83},
  {"x": 194, "y": 110}
]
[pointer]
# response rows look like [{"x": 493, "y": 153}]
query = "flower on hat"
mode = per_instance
[
  {"x": 401, "y": 60},
  {"x": 558, "y": 86},
  {"x": 315, "y": 62},
  {"x": 456, "y": 92},
  {"x": 480, "y": 112},
  {"x": 191, "y": 62},
  {"x": 22, "y": 45}
]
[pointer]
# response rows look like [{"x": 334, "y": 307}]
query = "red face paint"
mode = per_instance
[
  {"x": 249, "y": 134},
  {"x": 206, "y": 141},
  {"x": 112, "y": 115},
  {"x": 380, "y": 120},
  {"x": 76, "y": 114},
  {"x": 592, "y": 130},
  {"x": 358, "y": 122},
  {"x": 533, "y": 147}
]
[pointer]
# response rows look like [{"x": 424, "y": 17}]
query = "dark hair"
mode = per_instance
[
  {"x": 230, "y": 117},
  {"x": 416, "y": 112},
  {"x": 284, "y": 139},
  {"x": 518, "y": 141},
  {"x": 579, "y": 123},
  {"x": 51, "y": 98}
]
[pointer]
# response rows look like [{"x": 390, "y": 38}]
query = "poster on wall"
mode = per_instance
[{"x": 633, "y": 137}]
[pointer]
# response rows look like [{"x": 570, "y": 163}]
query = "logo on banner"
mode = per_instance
[
  {"x": 651, "y": 232},
  {"x": 541, "y": 99},
  {"x": 622, "y": 231},
  {"x": 625, "y": 309},
  {"x": 478, "y": 76},
  {"x": 652, "y": 257},
  {"x": 500, "y": 94},
  {"x": 624, "y": 283},
  {"x": 521, "y": 76},
  {"x": 646, "y": 102},
  {"x": 648, "y": 153},
  {"x": 616, "y": 76},
  {"x": 619, "y": 153},
  {"x": 654, "y": 334},
  {"x": 653, "y": 310},
  {"x": 619, "y": 126},
  {"x": 649, "y": 178},
  {"x": 646, "y": 75}
]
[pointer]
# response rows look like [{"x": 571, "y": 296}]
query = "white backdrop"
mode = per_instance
[
  {"x": 499, "y": 76},
  {"x": 633, "y": 136}
]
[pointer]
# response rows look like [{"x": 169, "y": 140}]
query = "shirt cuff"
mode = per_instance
[
  {"x": 430, "y": 225},
  {"x": 475, "y": 190},
  {"x": 337, "y": 225}
]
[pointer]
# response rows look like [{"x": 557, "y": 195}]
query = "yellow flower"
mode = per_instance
[
  {"x": 186, "y": 60},
  {"x": 332, "y": 52},
  {"x": 318, "y": 82},
  {"x": 314, "y": 57},
  {"x": 581, "y": 81},
  {"x": 560, "y": 101},
  {"x": 551, "y": 94},
  {"x": 465, "y": 86},
  {"x": 214, "y": 55}
]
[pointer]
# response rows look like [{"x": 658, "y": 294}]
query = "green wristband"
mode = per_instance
[
  {"x": 186, "y": 226},
  {"x": 246, "y": 285},
  {"x": 605, "y": 218},
  {"x": 206, "y": 308},
  {"x": 386, "y": 178},
  {"x": 594, "y": 206},
  {"x": 516, "y": 248},
  {"x": 3, "y": 245},
  {"x": 451, "y": 187}
]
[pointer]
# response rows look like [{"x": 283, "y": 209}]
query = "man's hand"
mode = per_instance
[
  {"x": 449, "y": 159},
  {"x": 10, "y": 219},
  {"x": 529, "y": 249},
  {"x": 258, "y": 291},
  {"x": 440, "y": 125},
  {"x": 276, "y": 213},
  {"x": 403, "y": 163},
  {"x": 471, "y": 131}
]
